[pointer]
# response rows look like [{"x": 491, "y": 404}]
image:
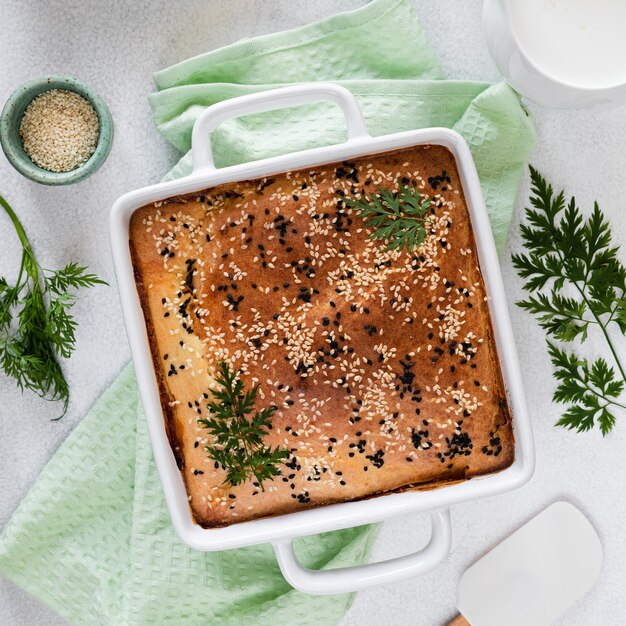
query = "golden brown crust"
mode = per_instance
[{"x": 381, "y": 364}]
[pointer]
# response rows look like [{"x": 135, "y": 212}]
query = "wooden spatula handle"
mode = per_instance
[{"x": 459, "y": 621}]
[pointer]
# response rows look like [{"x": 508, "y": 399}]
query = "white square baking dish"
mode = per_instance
[{"x": 281, "y": 530}]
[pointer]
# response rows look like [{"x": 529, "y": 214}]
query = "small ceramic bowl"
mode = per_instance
[{"x": 12, "y": 142}]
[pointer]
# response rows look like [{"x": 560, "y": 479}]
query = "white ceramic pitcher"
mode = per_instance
[{"x": 560, "y": 53}]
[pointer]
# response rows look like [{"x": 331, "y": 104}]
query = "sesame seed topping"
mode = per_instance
[{"x": 371, "y": 356}]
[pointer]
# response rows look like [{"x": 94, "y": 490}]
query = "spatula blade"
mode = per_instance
[{"x": 534, "y": 575}]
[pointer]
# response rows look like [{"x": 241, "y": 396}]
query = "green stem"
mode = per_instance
[
  {"x": 597, "y": 318},
  {"x": 21, "y": 233},
  {"x": 603, "y": 329},
  {"x": 613, "y": 352},
  {"x": 602, "y": 396},
  {"x": 615, "y": 308}
]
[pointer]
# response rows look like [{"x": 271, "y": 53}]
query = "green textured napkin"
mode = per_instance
[{"x": 92, "y": 539}]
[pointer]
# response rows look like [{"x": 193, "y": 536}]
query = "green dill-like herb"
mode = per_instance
[
  {"x": 578, "y": 284},
  {"x": 238, "y": 438},
  {"x": 399, "y": 218},
  {"x": 36, "y": 327}
]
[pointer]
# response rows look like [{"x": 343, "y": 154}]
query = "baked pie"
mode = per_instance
[{"x": 361, "y": 335}]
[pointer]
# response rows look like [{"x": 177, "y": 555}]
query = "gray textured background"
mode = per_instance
[{"x": 115, "y": 46}]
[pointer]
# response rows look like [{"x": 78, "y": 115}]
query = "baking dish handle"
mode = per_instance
[
  {"x": 349, "y": 579},
  {"x": 281, "y": 98}
]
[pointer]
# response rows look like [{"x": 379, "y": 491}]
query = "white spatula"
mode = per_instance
[{"x": 534, "y": 575}]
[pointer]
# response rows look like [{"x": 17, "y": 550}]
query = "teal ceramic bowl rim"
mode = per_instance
[{"x": 11, "y": 119}]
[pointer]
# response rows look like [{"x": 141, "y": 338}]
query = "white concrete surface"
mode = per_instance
[{"x": 115, "y": 46}]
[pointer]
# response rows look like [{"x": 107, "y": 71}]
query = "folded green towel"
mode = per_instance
[{"x": 93, "y": 539}]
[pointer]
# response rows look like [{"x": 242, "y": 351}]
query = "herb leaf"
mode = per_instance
[
  {"x": 562, "y": 317},
  {"x": 36, "y": 326},
  {"x": 238, "y": 438},
  {"x": 590, "y": 389},
  {"x": 399, "y": 218},
  {"x": 71, "y": 276},
  {"x": 577, "y": 284}
]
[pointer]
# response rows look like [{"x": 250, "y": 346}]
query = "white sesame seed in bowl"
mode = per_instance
[
  {"x": 59, "y": 130},
  {"x": 56, "y": 130}
]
